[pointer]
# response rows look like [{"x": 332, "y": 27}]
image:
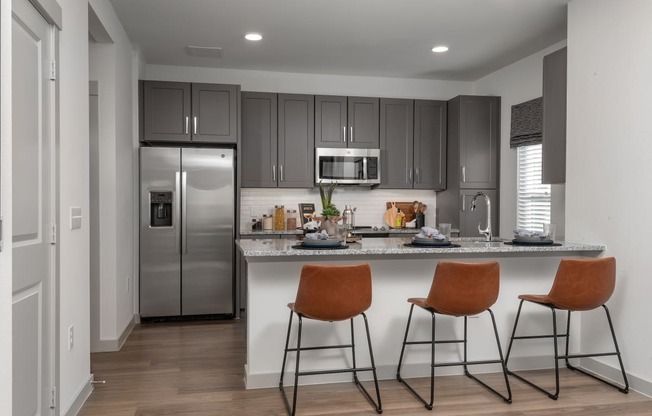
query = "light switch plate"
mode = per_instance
[{"x": 75, "y": 218}]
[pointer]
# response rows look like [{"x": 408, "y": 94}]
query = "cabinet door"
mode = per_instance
[
  {"x": 469, "y": 220},
  {"x": 554, "y": 118},
  {"x": 430, "y": 145},
  {"x": 330, "y": 121},
  {"x": 259, "y": 140},
  {"x": 214, "y": 113},
  {"x": 363, "y": 121},
  {"x": 166, "y": 107},
  {"x": 396, "y": 143},
  {"x": 296, "y": 141},
  {"x": 479, "y": 127}
]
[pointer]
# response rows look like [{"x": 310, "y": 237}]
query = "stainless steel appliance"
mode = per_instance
[
  {"x": 187, "y": 200},
  {"x": 347, "y": 166}
]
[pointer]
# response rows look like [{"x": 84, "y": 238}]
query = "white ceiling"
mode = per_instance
[{"x": 390, "y": 38}]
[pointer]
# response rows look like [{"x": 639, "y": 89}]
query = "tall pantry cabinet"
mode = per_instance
[{"x": 473, "y": 163}]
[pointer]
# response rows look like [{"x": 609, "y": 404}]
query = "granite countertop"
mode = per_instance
[{"x": 395, "y": 247}]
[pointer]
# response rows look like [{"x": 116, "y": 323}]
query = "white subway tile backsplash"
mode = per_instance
[{"x": 370, "y": 203}]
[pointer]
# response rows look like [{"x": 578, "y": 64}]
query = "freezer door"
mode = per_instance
[
  {"x": 207, "y": 232},
  {"x": 160, "y": 267}
]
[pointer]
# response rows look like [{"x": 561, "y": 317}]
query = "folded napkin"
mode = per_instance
[
  {"x": 429, "y": 232},
  {"x": 312, "y": 225},
  {"x": 322, "y": 235},
  {"x": 520, "y": 232}
]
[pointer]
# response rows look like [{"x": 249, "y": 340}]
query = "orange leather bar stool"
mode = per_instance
[
  {"x": 331, "y": 293},
  {"x": 579, "y": 285},
  {"x": 458, "y": 289}
]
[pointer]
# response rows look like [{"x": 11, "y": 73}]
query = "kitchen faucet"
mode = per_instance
[{"x": 486, "y": 231}]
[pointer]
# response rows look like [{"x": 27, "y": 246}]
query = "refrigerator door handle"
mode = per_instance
[
  {"x": 177, "y": 209},
  {"x": 184, "y": 213}
]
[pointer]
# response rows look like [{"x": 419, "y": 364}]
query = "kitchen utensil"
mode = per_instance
[{"x": 390, "y": 214}]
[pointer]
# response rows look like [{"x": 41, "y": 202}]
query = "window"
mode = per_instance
[{"x": 533, "y": 198}]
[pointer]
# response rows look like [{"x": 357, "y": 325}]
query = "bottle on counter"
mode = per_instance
[
  {"x": 268, "y": 222},
  {"x": 291, "y": 220},
  {"x": 400, "y": 217},
  {"x": 279, "y": 218},
  {"x": 256, "y": 224}
]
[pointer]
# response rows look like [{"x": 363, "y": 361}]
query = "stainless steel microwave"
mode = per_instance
[{"x": 347, "y": 166}]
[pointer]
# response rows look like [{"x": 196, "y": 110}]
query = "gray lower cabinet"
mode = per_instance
[
  {"x": 554, "y": 118},
  {"x": 469, "y": 220},
  {"x": 185, "y": 112},
  {"x": 347, "y": 122},
  {"x": 277, "y": 140},
  {"x": 413, "y": 144}
]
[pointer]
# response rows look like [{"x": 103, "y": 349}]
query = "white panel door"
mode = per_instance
[{"x": 33, "y": 302}]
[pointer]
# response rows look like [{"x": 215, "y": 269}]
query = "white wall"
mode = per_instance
[
  {"x": 73, "y": 191},
  {"x": 112, "y": 65},
  {"x": 5, "y": 209},
  {"x": 516, "y": 83},
  {"x": 608, "y": 163},
  {"x": 312, "y": 83}
]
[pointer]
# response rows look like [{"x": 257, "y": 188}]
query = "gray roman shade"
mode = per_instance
[{"x": 527, "y": 122}]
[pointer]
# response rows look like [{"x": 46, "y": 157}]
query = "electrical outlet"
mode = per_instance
[
  {"x": 128, "y": 286},
  {"x": 71, "y": 337}
]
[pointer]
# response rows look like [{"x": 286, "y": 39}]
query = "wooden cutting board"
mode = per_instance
[{"x": 405, "y": 207}]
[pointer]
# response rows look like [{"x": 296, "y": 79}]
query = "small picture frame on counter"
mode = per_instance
[{"x": 306, "y": 212}]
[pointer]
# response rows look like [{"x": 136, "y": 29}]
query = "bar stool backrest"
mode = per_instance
[
  {"x": 583, "y": 284},
  {"x": 463, "y": 289},
  {"x": 333, "y": 293}
]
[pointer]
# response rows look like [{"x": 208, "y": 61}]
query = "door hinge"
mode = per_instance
[
  {"x": 53, "y": 70},
  {"x": 53, "y": 234},
  {"x": 53, "y": 398}
]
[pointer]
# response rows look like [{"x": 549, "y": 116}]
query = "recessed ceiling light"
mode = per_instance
[
  {"x": 253, "y": 36},
  {"x": 440, "y": 49}
]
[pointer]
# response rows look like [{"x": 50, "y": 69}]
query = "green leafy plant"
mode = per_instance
[{"x": 328, "y": 208}]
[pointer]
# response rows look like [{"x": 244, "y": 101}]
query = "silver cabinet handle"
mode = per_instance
[
  {"x": 351, "y": 134},
  {"x": 281, "y": 173},
  {"x": 186, "y": 129},
  {"x": 463, "y": 174},
  {"x": 273, "y": 173},
  {"x": 184, "y": 213},
  {"x": 416, "y": 175},
  {"x": 463, "y": 202},
  {"x": 194, "y": 125},
  {"x": 344, "y": 134},
  {"x": 409, "y": 175},
  {"x": 177, "y": 210}
]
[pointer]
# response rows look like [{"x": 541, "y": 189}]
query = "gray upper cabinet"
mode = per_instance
[
  {"x": 347, "y": 122},
  {"x": 413, "y": 144},
  {"x": 296, "y": 141},
  {"x": 214, "y": 113},
  {"x": 185, "y": 112},
  {"x": 166, "y": 111},
  {"x": 430, "y": 144},
  {"x": 474, "y": 126},
  {"x": 554, "y": 117},
  {"x": 396, "y": 143},
  {"x": 259, "y": 140},
  {"x": 278, "y": 146}
]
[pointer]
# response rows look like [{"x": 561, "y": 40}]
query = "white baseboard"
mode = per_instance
[
  {"x": 613, "y": 374},
  {"x": 110, "y": 345},
  {"x": 82, "y": 395}
]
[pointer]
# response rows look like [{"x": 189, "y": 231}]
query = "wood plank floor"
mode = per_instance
[{"x": 197, "y": 369}]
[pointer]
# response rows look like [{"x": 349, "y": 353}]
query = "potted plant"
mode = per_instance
[{"x": 330, "y": 214}]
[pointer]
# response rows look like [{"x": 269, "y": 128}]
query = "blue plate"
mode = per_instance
[
  {"x": 431, "y": 243},
  {"x": 331, "y": 242}
]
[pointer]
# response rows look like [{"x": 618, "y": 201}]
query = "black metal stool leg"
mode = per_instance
[
  {"x": 511, "y": 339},
  {"x": 400, "y": 359},
  {"x": 355, "y": 374},
  {"x": 285, "y": 354},
  {"x": 378, "y": 404}
]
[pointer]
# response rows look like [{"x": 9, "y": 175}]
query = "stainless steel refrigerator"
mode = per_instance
[{"x": 187, "y": 200}]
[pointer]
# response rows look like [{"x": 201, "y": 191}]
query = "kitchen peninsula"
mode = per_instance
[{"x": 398, "y": 272}]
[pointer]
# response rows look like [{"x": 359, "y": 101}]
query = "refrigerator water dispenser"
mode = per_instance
[{"x": 160, "y": 209}]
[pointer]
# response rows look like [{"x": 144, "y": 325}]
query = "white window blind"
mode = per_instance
[{"x": 533, "y": 198}]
